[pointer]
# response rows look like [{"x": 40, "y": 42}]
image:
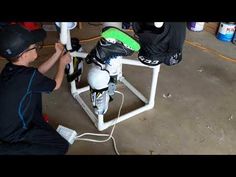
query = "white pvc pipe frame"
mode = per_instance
[{"x": 98, "y": 120}]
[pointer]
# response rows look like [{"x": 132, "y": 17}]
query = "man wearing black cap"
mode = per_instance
[{"x": 22, "y": 127}]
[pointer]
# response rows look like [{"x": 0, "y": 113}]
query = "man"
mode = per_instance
[{"x": 22, "y": 127}]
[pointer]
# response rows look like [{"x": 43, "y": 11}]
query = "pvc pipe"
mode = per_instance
[
  {"x": 115, "y": 24},
  {"x": 104, "y": 125},
  {"x": 63, "y": 33},
  {"x": 99, "y": 122},
  {"x": 155, "y": 74},
  {"x": 86, "y": 109},
  {"x": 82, "y": 54},
  {"x": 134, "y": 90},
  {"x": 68, "y": 43},
  {"x": 135, "y": 62},
  {"x": 71, "y": 25}
]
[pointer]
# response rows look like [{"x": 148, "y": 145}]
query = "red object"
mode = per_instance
[
  {"x": 29, "y": 25},
  {"x": 45, "y": 118}
]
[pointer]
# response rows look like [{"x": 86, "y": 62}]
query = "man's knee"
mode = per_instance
[
  {"x": 62, "y": 145},
  {"x": 49, "y": 139}
]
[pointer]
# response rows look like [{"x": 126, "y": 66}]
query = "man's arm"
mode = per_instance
[
  {"x": 44, "y": 67},
  {"x": 64, "y": 60}
]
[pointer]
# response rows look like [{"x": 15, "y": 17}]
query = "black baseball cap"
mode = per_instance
[{"x": 14, "y": 39}]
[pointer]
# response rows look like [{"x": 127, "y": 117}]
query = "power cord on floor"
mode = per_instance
[{"x": 104, "y": 135}]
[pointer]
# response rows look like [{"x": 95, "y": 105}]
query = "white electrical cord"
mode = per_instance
[{"x": 109, "y": 136}]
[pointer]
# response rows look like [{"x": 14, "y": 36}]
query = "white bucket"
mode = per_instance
[
  {"x": 196, "y": 26},
  {"x": 226, "y": 31}
]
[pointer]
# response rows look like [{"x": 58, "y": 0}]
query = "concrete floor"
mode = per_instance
[{"x": 198, "y": 117}]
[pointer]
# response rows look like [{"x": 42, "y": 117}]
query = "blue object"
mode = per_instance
[
  {"x": 226, "y": 31},
  {"x": 234, "y": 39}
]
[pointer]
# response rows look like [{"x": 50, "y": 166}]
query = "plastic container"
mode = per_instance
[
  {"x": 226, "y": 31},
  {"x": 196, "y": 26},
  {"x": 234, "y": 38}
]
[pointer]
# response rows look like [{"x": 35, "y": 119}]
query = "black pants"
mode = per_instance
[{"x": 40, "y": 139}]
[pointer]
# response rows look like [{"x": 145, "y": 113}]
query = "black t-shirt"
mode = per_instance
[{"x": 20, "y": 99}]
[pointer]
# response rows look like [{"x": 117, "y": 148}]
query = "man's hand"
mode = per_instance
[
  {"x": 44, "y": 67},
  {"x": 65, "y": 59},
  {"x": 59, "y": 47}
]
